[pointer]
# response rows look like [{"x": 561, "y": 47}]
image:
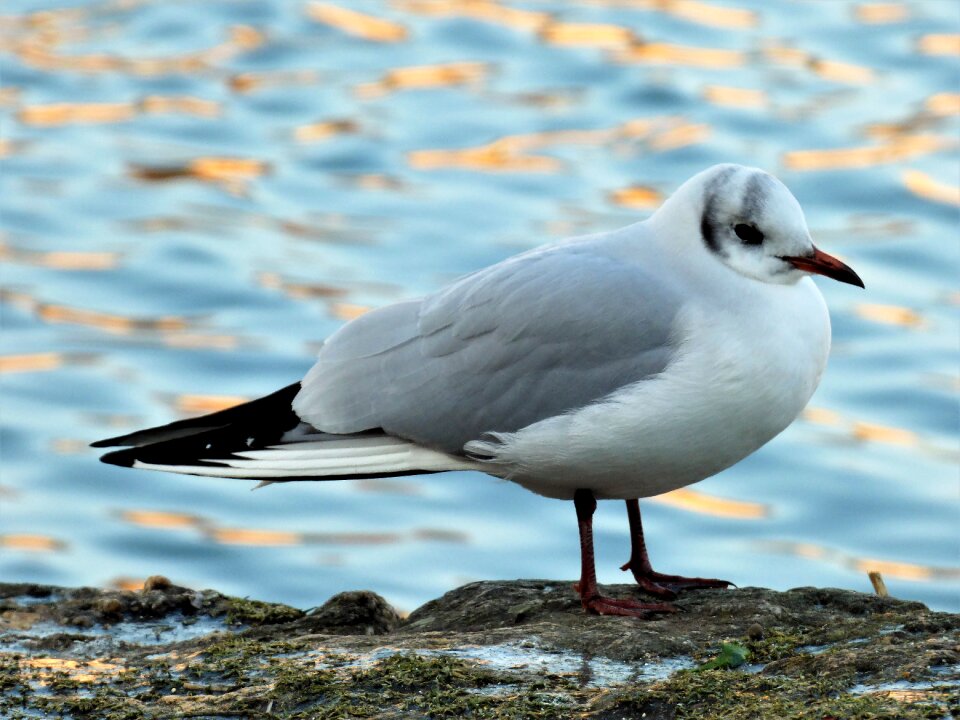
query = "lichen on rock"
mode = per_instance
[{"x": 521, "y": 649}]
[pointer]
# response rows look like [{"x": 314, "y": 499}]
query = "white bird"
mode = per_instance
[{"x": 617, "y": 365}]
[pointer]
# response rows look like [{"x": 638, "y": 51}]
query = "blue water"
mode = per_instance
[{"x": 142, "y": 283}]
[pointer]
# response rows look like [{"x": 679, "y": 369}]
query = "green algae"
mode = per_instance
[
  {"x": 736, "y": 695},
  {"x": 821, "y": 654},
  {"x": 243, "y": 611},
  {"x": 731, "y": 655},
  {"x": 277, "y": 681},
  {"x": 776, "y": 643}
]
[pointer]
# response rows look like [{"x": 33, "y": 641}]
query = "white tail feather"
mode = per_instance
[{"x": 317, "y": 459}]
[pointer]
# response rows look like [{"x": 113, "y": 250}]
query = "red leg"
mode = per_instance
[
  {"x": 665, "y": 586},
  {"x": 590, "y": 597}
]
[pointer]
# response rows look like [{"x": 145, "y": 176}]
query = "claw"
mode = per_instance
[
  {"x": 601, "y": 605},
  {"x": 669, "y": 586},
  {"x": 658, "y": 584},
  {"x": 590, "y": 598}
]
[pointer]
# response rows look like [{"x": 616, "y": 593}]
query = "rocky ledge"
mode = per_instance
[{"x": 519, "y": 649}]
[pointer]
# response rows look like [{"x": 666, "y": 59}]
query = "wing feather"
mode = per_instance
[{"x": 535, "y": 336}]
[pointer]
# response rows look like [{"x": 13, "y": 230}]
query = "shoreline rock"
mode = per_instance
[{"x": 520, "y": 649}]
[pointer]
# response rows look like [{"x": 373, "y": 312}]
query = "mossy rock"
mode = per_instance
[{"x": 516, "y": 650}]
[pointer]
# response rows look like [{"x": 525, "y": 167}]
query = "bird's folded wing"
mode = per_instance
[{"x": 536, "y": 336}]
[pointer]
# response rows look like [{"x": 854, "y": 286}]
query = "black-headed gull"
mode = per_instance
[{"x": 618, "y": 365}]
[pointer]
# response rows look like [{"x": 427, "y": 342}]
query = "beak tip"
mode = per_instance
[
  {"x": 847, "y": 275},
  {"x": 821, "y": 263}
]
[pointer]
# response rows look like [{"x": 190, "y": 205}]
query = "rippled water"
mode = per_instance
[{"x": 195, "y": 194}]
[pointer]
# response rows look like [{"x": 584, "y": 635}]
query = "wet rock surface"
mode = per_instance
[{"x": 521, "y": 649}]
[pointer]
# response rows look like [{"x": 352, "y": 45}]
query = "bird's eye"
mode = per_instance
[{"x": 748, "y": 234}]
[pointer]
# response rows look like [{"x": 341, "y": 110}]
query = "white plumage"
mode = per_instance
[{"x": 618, "y": 365}]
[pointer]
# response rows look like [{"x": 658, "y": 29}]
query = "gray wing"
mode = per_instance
[{"x": 532, "y": 337}]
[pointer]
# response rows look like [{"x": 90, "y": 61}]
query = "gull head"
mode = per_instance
[{"x": 752, "y": 223}]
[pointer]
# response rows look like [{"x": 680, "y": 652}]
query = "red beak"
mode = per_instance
[{"x": 822, "y": 264}]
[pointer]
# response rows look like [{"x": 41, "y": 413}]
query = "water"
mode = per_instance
[
  {"x": 195, "y": 194},
  {"x": 585, "y": 670}
]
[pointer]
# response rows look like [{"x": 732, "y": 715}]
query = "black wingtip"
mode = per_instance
[
  {"x": 121, "y": 458},
  {"x": 275, "y": 408},
  {"x": 109, "y": 442}
]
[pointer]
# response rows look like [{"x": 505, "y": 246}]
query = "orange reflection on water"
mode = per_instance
[
  {"x": 118, "y": 324},
  {"x": 940, "y": 44},
  {"x": 822, "y": 416},
  {"x": 922, "y": 185},
  {"x": 897, "y": 149},
  {"x": 707, "y": 14},
  {"x": 610, "y": 37},
  {"x": 34, "y": 362},
  {"x": 374, "y": 181},
  {"x": 348, "y": 311},
  {"x": 863, "y": 431},
  {"x": 498, "y": 156},
  {"x": 223, "y": 169},
  {"x": 315, "y": 132},
  {"x": 241, "y": 536},
  {"x": 105, "y": 321},
  {"x": 351, "y": 22},
  {"x": 680, "y": 136},
  {"x": 878, "y": 13},
  {"x": 229, "y": 172},
  {"x": 637, "y": 197},
  {"x": 888, "y": 568},
  {"x": 884, "y": 434},
  {"x": 485, "y": 10},
  {"x": 64, "y": 113},
  {"x": 889, "y": 315},
  {"x": 31, "y": 542},
  {"x": 943, "y": 104},
  {"x": 511, "y": 153},
  {"x": 669, "y": 54},
  {"x": 202, "y": 404},
  {"x": 161, "y": 519},
  {"x": 92, "y": 113},
  {"x": 38, "y": 54},
  {"x": 421, "y": 77},
  {"x": 699, "y": 502},
  {"x": 842, "y": 72},
  {"x": 735, "y": 97},
  {"x": 127, "y": 583},
  {"x": 245, "y": 536},
  {"x": 900, "y": 570},
  {"x": 41, "y": 362},
  {"x": 252, "y": 81},
  {"x": 833, "y": 70},
  {"x": 693, "y": 11},
  {"x": 180, "y": 104},
  {"x": 60, "y": 259},
  {"x": 299, "y": 290}
]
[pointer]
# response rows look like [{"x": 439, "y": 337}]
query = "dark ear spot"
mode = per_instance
[{"x": 706, "y": 229}]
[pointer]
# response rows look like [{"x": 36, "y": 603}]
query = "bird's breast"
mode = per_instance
[{"x": 737, "y": 379}]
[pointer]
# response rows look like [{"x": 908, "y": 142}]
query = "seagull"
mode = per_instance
[{"x": 618, "y": 365}]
